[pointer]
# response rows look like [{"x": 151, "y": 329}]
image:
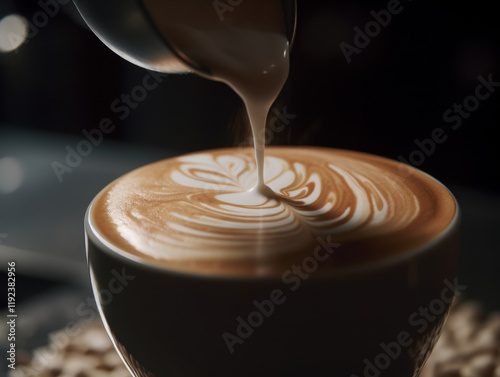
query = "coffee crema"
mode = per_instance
[{"x": 195, "y": 213}]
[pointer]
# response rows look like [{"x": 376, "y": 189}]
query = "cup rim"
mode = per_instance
[{"x": 382, "y": 264}]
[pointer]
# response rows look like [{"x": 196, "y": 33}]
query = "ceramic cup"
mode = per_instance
[{"x": 376, "y": 320}]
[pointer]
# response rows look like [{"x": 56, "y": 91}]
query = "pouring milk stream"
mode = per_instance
[{"x": 248, "y": 50}]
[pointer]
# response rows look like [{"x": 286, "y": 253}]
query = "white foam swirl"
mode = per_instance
[{"x": 198, "y": 208}]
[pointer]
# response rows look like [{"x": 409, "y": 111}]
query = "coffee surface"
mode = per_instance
[{"x": 197, "y": 212}]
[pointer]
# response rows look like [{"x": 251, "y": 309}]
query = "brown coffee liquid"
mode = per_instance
[{"x": 193, "y": 213}]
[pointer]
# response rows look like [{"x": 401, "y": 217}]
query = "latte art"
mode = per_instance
[{"x": 198, "y": 213}]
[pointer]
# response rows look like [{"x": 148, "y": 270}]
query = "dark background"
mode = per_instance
[
  {"x": 63, "y": 80},
  {"x": 394, "y": 91}
]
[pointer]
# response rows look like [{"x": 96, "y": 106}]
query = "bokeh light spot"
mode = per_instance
[{"x": 13, "y": 32}]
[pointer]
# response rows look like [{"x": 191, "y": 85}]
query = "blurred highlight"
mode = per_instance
[
  {"x": 11, "y": 175},
  {"x": 13, "y": 32}
]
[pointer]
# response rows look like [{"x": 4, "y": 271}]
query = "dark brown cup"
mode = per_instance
[{"x": 377, "y": 320}]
